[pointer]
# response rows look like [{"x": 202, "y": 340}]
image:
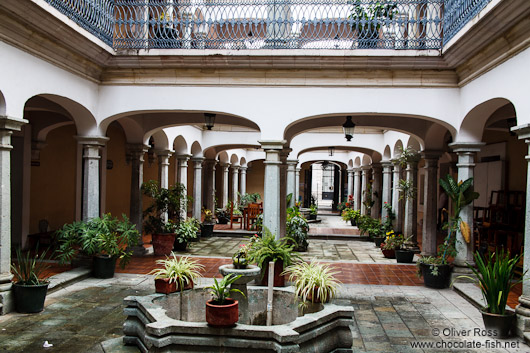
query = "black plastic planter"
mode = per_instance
[
  {"x": 206, "y": 230},
  {"x": 500, "y": 325},
  {"x": 29, "y": 299},
  {"x": 103, "y": 266},
  {"x": 404, "y": 256},
  {"x": 441, "y": 277}
]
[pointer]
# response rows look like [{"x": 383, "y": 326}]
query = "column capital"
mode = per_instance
[
  {"x": 224, "y": 165},
  {"x": 272, "y": 144},
  {"x": 523, "y": 132},
  {"x": 235, "y": 167},
  {"x": 387, "y": 163},
  {"x": 357, "y": 170},
  {"x": 377, "y": 166},
  {"x": 243, "y": 169},
  {"x": 10, "y": 123},
  {"x": 429, "y": 154},
  {"x": 293, "y": 162},
  {"x": 183, "y": 156},
  {"x": 298, "y": 169},
  {"x": 198, "y": 159},
  {"x": 92, "y": 140},
  {"x": 164, "y": 153},
  {"x": 365, "y": 167},
  {"x": 466, "y": 147}
]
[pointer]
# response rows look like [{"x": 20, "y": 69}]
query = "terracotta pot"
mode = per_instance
[
  {"x": 389, "y": 254},
  {"x": 162, "y": 285},
  {"x": 279, "y": 281},
  {"x": 163, "y": 243},
  {"x": 222, "y": 315},
  {"x": 500, "y": 325}
]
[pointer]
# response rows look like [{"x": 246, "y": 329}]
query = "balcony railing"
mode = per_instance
[{"x": 271, "y": 24}]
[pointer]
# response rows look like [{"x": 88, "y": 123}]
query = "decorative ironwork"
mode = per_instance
[
  {"x": 271, "y": 24},
  {"x": 458, "y": 13}
]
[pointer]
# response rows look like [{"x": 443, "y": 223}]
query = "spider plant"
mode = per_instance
[
  {"x": 182, "y": 270},
  {"x": 313, "y": 281},
  {"x": 495, "y": 277},
  {"x": 220, "y": 290}
]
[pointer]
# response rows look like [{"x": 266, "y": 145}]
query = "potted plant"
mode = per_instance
[
  {"x": 222, "y": 311},
  {"x": 177, "y": 274},
  {"x": 368, "y": 20},
  {"x": 297, "y": 229},
  {"x": 314, "y": 282},
  {"x": 351, "y": 215},
  {"x": 436, "y": 270},
  {"x": 207, "y": 223},
  {"x": 30, "y": 283},
  {"x": 391, "y": 243},
  {"x": 222, "y": 215},
  {"x": 404, "y": 254},
  {"x": 163, "y": 216},
  {"x": 266, "y": 249},
  {"x": 185, "y": 233},
  {"x": 313, "y": 211},
  {"x": 106, "y": 239},
  {"x": 240, "y": 258},
  {"x": 495, "y": 276}
]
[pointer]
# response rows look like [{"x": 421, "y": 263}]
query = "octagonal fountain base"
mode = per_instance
[{"x": 176, "y": 323}]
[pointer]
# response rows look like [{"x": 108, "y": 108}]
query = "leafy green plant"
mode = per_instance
[
  {"x": 222, "y": 215},
  {"x": 369, "y": 17},
  {"x": 28, "y": 270},
  {"x": 165, "y": 212},
  {"x": 297, "y": 229},
  {"x": 389, "y": 218},
  {"x": 349, "y": 214},
  {"x": 495, "y": 276},
  {"x": 407, "y": 191},
  {"x": 313, "y": 210},
  {"x": 208, "y": 216},
  {"x": 99, "y": 236},
  {"x": 183, "y": 270},
  {"x": 220, "y": 290},
  {"x": 313, "y": 280},
  {"x": 267, "y": 248},
  {"x": 369, "y": 225},
  {"x": 245, "y": 199},
  {"x": 187, "y": 230}
]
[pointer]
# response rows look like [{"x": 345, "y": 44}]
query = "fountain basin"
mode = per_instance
[{"x": 176, "y": 323}]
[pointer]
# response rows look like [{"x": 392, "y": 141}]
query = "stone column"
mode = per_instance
[
  {"x": 91, "y": 176},
  {"x": 271, "y": 197},
  {"x": 135, "y": 155},
  {"x": 163, "y": 167},
  {"x": 387, "y": 186},
  {"x": 396, "y": 202},
  {"x": 243, "y": 180},
  {"x": 7, "y": 126},
  {"x": 297, "y": 184},
  {"x": 291, "y": 180},
  {"x": 410, "y": 226},
  {"x": 210, "y": 183},
  {"x": 283, "y": 191},
  {"x": 235, "y": 184},
  {"x": 466, "y": 163},
  {"x": 226, "y": 168},
  {"x": 357, "y": 189},
  {"x": 182, "y": 178},
  {"x": 523, "y": 309},
  {"x": 365, "y": 184},
  {"x": 376, "y": 190},
  {"x": 430, "y": 203},
  {"x": 197, "y": 187},
  {"x": 350, "y": 182}
]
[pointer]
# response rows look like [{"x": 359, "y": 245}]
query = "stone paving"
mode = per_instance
[{"x": 387, "y": 319}]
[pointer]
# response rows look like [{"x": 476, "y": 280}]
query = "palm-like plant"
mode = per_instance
[
  {"x": 313, "y": 281},
  {"x": 220, "y": 290},
  {"x": 30, "y": 271},
  {"x": 182, "y": 270}
]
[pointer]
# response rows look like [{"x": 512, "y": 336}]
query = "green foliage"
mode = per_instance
[
  {"x": 222, "y": 214},
  {"x": 349, "y": 214},
  {"x": 29, "y": 271},
  {"x": 372, "y": 226},
  {"x": 98, "y": 236},
  {"x": 171, "y": 202},
  {"x": 208, "y": 216},
  {"x": 183, "y": 270},
  {"x": 389, "y": 218},
  {"x": 313, "y": 210},
  {"x": 461, "y": 194},
  {"x": 245, "y": 199},
  {"x": 313, "y": 280},
  {"x": 187, "y": 230},
  {"x": 267, "y": 248},
  {"x": 220, "y": 290},
  {"x": 369, "y": 17},
  {"x": 495, "y": 277},
  {"x": 407, "y": 191},
  {"x": 297, "y": 228},
  {"x": 431, "y": 261}
]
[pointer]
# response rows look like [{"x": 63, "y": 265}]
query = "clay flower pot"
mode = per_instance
[
  {"x": 279, "y": 281},
  {"x": 162, "y": 285},
  {"x": 222, "y": 315},
  {"x": 389, "y": 254},
  {"x": 163, "y": 243}
]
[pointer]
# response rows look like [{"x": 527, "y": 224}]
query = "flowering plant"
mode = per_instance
[
  {"x": 392, "y": 241},
  {"x": 208, "y": 216},
  {"x": 240, "y": 258}
]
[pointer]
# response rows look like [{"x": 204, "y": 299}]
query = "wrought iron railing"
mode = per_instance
[
  {"x": 458, "y": 13},
  {"x": 271, "y": 24},
  {"x": 95, "y": 16}
]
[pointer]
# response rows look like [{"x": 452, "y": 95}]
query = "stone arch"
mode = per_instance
[
  {"x": 196, "y": 149},
  {"x": 472, "y": 126},
  {"x": 398, "y": 147},
  {"x": 234, "y": 159},
  {"x": 160, "y": 140},
  {"x": 357, "y": 162},
  {"x": 366, "y": 160},
  {"x": 413, "y": 144},
  {"x": 180, "y": 146},
  {"x": 387, "y": 155},
  {"x": 350, "y": 163},
  {"x": 223, "y": 157},
  {"x": 2, "y": 104}
]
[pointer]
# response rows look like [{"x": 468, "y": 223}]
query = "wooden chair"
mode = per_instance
[
  {"x": 253, "y": 211},
  {"x": 235, "y": 218}
]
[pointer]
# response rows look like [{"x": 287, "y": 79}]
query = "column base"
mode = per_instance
[
  {"x": 522, "y": 311},
  {"x": 7, "y": 302},
  {"x": 139, "y": 250},
  {"x": 462, "y": 271}
]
